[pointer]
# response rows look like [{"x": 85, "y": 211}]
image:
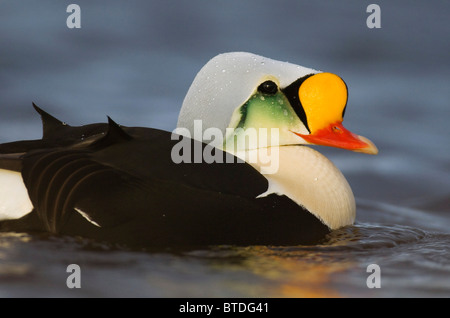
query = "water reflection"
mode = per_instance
[
  {"x": 312, "y": 271},
  {"x": 304, "y": 275},
  {"x": 335, "y": 268}
]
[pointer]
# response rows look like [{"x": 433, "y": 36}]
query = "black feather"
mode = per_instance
[{"x": 50, "y": 124}]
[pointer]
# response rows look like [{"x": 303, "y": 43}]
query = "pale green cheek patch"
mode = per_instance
[
  {"x": 262, "y": 111},
  {"x": 271, "y": 116}
]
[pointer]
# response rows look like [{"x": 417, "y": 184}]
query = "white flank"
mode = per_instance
[{"x": 14, "y": 199}]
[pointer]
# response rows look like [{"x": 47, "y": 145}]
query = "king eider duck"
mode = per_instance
[{"x": 145, "y": 187}]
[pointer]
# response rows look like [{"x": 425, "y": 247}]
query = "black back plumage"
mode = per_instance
[
  {"x": 123, "y": 187},
  {"x": 55, "y": 133}
]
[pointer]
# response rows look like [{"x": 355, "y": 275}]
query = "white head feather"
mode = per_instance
[{"x": 226, "y": 82}]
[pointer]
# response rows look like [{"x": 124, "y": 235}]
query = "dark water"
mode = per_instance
[{"x": 135, "y": 60}]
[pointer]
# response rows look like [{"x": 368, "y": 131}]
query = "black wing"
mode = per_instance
[
  {"x": 55, "y": 133},
  {"x": 125, "y": 188}
]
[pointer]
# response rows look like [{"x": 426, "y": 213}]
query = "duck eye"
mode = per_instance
[{"x": 268, "y": 87}]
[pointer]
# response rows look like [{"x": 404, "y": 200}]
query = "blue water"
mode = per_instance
[{"x": 135, "y": 60}]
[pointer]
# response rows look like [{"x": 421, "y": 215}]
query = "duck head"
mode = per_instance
[{"x": 238, "y": 91}]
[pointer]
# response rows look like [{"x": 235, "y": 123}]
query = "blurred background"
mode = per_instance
[{"x": 135, "y": 60}]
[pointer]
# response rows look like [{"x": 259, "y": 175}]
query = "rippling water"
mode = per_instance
[
  {"x": 135, "y": 60},
  {"x": 413, "y": 263}
]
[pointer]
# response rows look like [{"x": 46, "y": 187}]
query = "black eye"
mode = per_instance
[{"x": 268, "y": 87}]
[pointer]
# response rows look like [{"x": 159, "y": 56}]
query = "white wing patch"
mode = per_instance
[
  {"x": 87, "y": 217},
  {"x": 14, "y": 199}
]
